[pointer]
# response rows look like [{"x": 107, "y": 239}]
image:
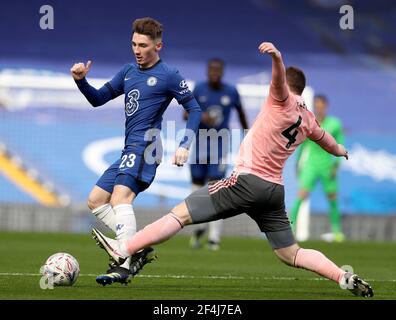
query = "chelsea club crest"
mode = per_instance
[{"x": 152, "y": 81}]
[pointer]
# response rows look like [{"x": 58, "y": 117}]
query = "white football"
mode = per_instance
[{"x": 61, "y": 269}]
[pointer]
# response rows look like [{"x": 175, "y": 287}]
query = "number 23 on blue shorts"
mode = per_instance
[{"x": 134, "y": 164}]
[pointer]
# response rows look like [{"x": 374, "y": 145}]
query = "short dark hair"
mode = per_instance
[
  {"x": 321, "y": 97},
  {"x": 216, "y": 60},
  {"x": 149, "y": 27},
  {"x": 295, "y": 78}
]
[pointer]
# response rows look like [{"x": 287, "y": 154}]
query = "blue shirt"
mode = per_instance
[
  {"x": 218, "y": 103},
  {"x": 148, "y": 92}
]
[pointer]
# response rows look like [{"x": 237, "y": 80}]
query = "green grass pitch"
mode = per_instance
[{"x": 244, "y": 268}]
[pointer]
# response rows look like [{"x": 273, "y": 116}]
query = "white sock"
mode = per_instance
[
  {"x": 215, "y": 228},
  {"x": 125, "y": 221},
  {"x": 125, "y": 225},
  {"x": 106, "y": 214}
]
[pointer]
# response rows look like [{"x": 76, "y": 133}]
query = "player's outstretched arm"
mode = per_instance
[
  {"x": 278, "y": 88},
  {"x": 324, "y": 139},
  {"x": 328, "y": 143},
  {"x": 94, "y": 96}
]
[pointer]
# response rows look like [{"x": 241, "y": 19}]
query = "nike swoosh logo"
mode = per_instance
[{"x": 126, "y": 79}]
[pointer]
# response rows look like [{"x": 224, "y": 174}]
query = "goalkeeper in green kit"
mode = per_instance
[{"x": 314, "y": 164}]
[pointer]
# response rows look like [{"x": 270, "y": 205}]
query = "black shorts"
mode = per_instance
[{"x": 262, "y": 200}]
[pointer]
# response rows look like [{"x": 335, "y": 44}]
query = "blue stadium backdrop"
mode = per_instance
[{"x": 67, "y": 144}]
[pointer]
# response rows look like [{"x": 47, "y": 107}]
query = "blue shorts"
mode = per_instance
[
  {"x": 205, "y": 168},
  {"x": 208, "y": 172},
  {"x": 131, "y": 170}
]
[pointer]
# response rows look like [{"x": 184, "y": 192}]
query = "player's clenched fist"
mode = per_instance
[
  {"x": 268, "y": 47},
  {"x": 79, "y": 70},
  {"x": 180, "y": 157}
]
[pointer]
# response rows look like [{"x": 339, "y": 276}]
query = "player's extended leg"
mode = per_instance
[
  {"x": 124, "y": 193},
  {"x": 157, "y": 232},
  {"x": 121, "y": 201},
  {"x": 197, "y": 208},
  {"x": 160, "y": 230},
  {"x": 269, "y": 213},
  {"x": 125, "y": 227},
  {"x": 317, "y": 262},
  {"x": 99, "y": 198},
  {"x": 99, "y": 203}
]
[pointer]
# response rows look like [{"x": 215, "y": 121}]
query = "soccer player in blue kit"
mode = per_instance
[
  {"x": 217, "y": 99},
  {"x": 149, "y": 86}
]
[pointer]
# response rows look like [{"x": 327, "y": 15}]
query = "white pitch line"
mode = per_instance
[{"x": 173, "y": 276}]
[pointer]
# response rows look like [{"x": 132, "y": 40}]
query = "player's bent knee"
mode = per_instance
[
  {"x": 90, "y": 204},
  {"x": 122, "y": 195},
  {"x": 284, "y": 244},
  {"x": 287, "y": 254},
  {"x": 115, "y": 201},
  {"x": 94, "y": 202},
  {"x": 98, "y": 197},
  {"x": 181, "y": 211},
  {"x": 118, "y": 200}
]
